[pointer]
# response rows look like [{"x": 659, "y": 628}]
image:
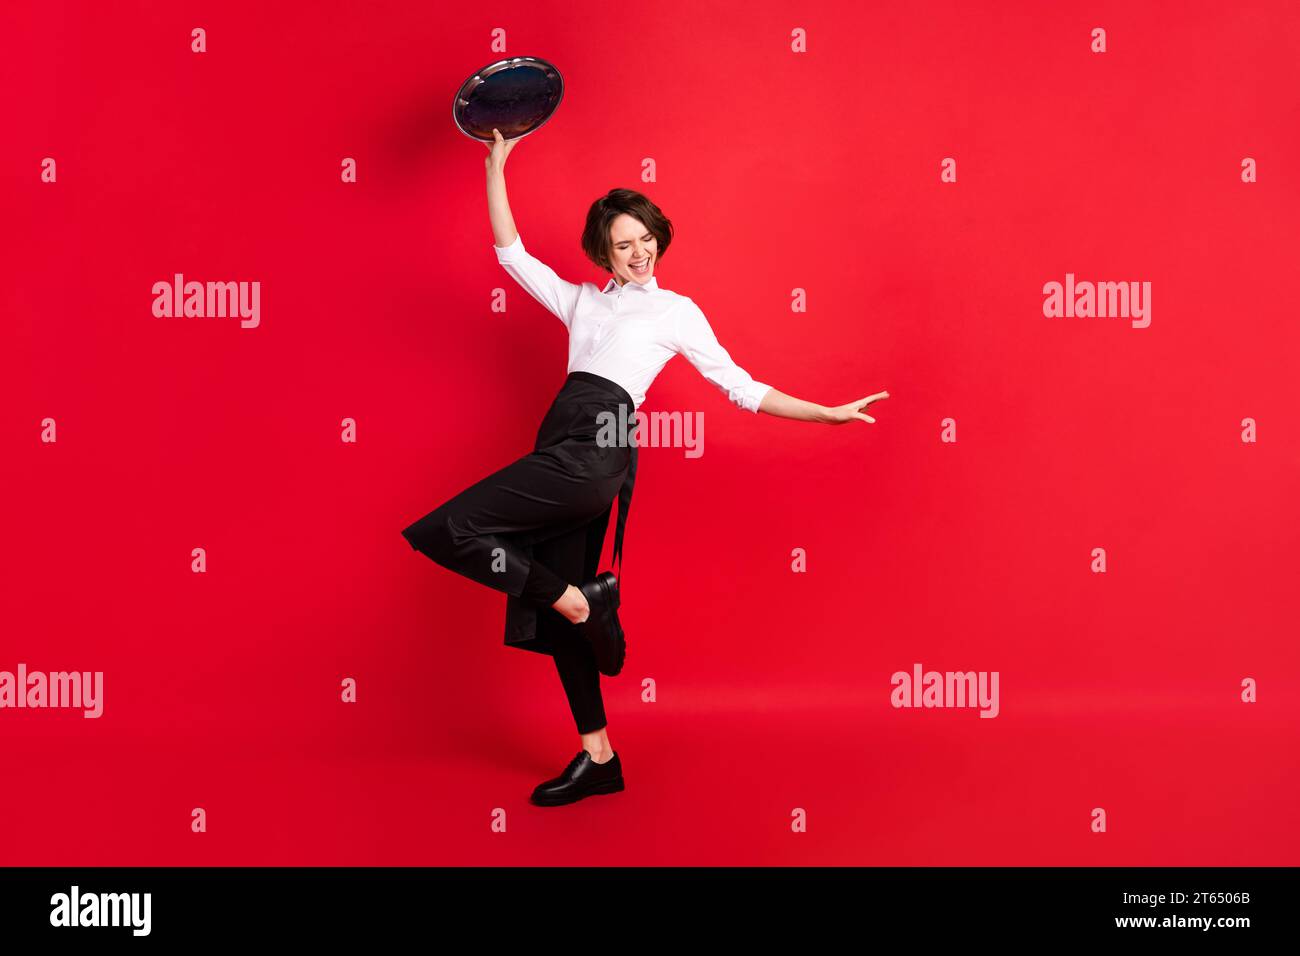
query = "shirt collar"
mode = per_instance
[{"x": 613, "y": 286}]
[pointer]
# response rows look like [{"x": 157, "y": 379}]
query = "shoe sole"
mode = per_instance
[
  {"x": 609, "y": 786},
  {"x": 618, "y": 641}
]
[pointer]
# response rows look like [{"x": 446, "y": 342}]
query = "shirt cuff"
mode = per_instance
[
  {"x": 754, "y": 396},
  {"x": 511, "y": 253}
]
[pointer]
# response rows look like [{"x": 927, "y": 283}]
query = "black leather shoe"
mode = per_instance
[
  {"x": 581, "y": 778},
  {"x": 601, "y": 628}
]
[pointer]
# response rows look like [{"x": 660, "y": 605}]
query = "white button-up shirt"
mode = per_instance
[{"x": 628, "y": 333}]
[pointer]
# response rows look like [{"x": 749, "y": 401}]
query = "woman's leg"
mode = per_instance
[
  {"x": 578, "y": 556},
  {"x": 543, "y": 586},
  {"x": 538, "y": 499},
  {"x": 576, "y": 665},
  {"x": 479, "y": 532},
  {"x": 597, "y": 744}
]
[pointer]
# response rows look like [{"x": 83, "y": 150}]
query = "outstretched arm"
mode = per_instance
[
  {"x": 787, "y": 406},
  {"x": 693, "y": 337},
  {"x": 695, "y": 340}
]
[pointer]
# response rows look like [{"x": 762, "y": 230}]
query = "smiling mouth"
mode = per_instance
[{"x": 642, "y": 269}]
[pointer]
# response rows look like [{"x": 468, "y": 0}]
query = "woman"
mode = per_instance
[{"x": 537, "y": 526}]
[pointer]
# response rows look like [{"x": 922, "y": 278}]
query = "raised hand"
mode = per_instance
[{"x": 498, "y": 150}]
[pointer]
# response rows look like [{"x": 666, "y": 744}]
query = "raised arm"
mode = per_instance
[
  {"x": 701, "y": 347},
  {"x": 538, "y": 279},
  {"x": 503, "y": 224}
]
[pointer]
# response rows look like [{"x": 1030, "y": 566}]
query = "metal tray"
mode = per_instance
[{"x": 517, "y": 96}]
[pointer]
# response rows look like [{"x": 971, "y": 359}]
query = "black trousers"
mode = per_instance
[{"x": 538, "y": 525}]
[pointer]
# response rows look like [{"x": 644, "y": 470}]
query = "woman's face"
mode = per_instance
[{"x": 632, "y": 250}]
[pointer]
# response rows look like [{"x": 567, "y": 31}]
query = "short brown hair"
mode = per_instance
[{"x": 616, "y": 202}]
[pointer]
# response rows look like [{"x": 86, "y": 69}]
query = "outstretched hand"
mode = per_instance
[
  {"x": 498, "y": 150},
  {"x": 853, "y": 410}
]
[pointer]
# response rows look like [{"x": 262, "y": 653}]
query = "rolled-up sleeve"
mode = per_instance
[
  {"x": 696, "y": 341},
  {"x": 539, "y": 280}
]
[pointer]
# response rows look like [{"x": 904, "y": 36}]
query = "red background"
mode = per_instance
[{"x": 781, "y": 171}]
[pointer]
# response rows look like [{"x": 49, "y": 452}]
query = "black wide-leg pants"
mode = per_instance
[{"x": 538, "y": 525}]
